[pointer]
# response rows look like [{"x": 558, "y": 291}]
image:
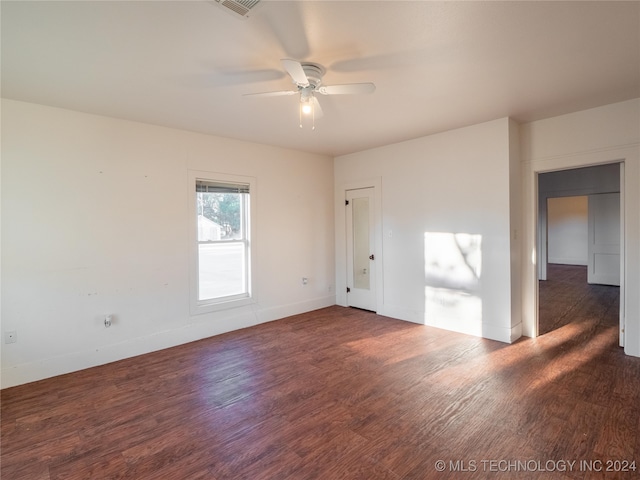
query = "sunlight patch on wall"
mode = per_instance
[{"x": 452, "y": 271}]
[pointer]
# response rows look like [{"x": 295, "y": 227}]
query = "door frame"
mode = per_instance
[
  {"x": 341, "y": 239},
  {"x": 530, "y": 284}
]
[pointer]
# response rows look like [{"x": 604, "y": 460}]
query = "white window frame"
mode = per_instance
[{"x": 198, "y": 306}]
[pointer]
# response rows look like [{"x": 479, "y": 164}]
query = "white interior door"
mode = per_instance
[
  {"x": 604, "y": 239},
  {"x": 361, "y": 263}
]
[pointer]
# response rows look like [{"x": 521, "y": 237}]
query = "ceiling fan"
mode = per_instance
[{"x": 307, "y": 77}]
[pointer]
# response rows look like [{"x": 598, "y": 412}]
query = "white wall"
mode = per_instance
[
  {"x": 567, "y": 226},
  {"x": 457, "y": 182},
  {"x": 95, "y": 220},
  {"x": 592, "y": 137}
]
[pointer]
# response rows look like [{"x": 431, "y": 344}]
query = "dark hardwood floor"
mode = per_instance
[
  {"x": 338, "y": 394},
  {"x": 566, "y": 297}
]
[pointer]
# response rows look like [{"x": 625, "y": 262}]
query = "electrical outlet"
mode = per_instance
[{"x": 10, "y": 336}]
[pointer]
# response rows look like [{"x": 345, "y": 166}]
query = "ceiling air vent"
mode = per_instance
[{"x": 237, "y": 7}]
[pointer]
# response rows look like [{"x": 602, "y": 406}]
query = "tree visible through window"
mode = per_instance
[{"x": 223, "y": 240}]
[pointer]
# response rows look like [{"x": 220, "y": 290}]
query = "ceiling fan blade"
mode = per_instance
[
  {"x": 271, "y": 94},
  {"x": 347, "y": 89},
  {"x": 284, "y": 21},
  {"x": 294, "y": 69},
  {"x": 317, "y": 110}
]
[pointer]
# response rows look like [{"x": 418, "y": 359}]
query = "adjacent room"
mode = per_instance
[
  {"x": 579, "y": 226},
  {"x": 273, "y": 239}
]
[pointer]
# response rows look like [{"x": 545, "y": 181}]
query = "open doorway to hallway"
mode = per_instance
[{"x": 579, "y": 272}]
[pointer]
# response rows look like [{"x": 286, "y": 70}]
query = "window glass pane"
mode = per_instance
[
  {"x": 220, "y": 216},
  {"x": 221, "y": 270},
  {"x": 221, "y": 266},
  {"x": 361, "y": 243}
]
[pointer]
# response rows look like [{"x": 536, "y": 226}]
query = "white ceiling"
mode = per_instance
[{"x": 436, "y": 65}]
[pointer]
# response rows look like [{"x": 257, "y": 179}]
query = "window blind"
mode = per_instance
[{"x": 221, "y": 187}]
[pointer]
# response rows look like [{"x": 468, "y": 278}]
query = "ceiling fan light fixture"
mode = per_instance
[
  {"x": 307, "y": 108},
  {"x": 307, "y": 77}
]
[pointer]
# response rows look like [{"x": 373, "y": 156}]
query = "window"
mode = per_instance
[{"x": 222, "y": 262}]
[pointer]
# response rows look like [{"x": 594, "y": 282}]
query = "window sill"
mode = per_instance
[{"x": 203, "y": 307}]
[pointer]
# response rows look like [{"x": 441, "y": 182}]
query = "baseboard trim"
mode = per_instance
[
  {"x": 191, "y": 332},
  {"x": 483, "y": 330}
]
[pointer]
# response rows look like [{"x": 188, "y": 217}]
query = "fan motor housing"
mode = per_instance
[{"x": 314, "y": 73}]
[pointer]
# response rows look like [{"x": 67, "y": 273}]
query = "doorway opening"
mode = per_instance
[{"x": 580, "y": 225}]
